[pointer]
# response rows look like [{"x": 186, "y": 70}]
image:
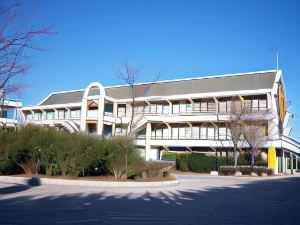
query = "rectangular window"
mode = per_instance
[
  {"x": 196, "y": 133},
  {"x": 196, "y": 107},
  {"x": 187, "y": 132},
  {"x": 255, "y": 105},
  {"x": 75, "y": 113},
  {"x": 175, "y": 108},
  {"x": 211, "y": 107},
  {"x": 37, "y": 116},
  {"x": 29, "y": 117},
  {"x": 153, "y": 108},
  {"x": 211, "y": 133},
  {"x": 189, "y": 107},
  {"x": 165, "y": 133},
  {"x": 203, "y": 106},
  {"x": 262, "y": 104},
  {"x": 3, "y": 114},
  {"x": 165, "y": 109},
  {"x": 203, "y": 132},
  {"x": 222, "y": 133},
  {"x": 50, "y": 115},
  {"x": 158, "y": 133},
  {"x": 182, "y": 133},
  {"x": 174, "y": 132},
  {"x": 61, "y": 114},
  {"x": 159, "y": 109},
  {"x": 182, "y": 107},
  {"x": 222, "y": 107},
  {"x": 146, "y": 109},
  {"x": 121, "y": 110}
]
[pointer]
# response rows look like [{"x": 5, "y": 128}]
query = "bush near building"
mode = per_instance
[
  {"x": 43, "y": 150},
  {"x": 201, "y": 163},
  {"x": 170, "y": 156}
]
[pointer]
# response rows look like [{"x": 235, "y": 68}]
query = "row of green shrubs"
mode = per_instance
[
  {"x": 245, "y": 170},
  {"x": 43, "y": 150},
  {"x": 202, "y": 163}
]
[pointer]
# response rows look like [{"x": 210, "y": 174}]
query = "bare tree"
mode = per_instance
[
  {"x": 129, "y": 74},
  {"x": 257, "y": 131},
  {"x": 235, "y": 125},
  {"x": 14, "y": 43}
]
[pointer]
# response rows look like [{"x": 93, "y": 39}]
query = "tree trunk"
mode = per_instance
[
  {"x": 235, "y": 155},
  {"x": 252, "y": 158}
]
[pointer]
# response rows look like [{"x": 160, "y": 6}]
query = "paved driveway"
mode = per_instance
[{"x": 197, "y": 200}]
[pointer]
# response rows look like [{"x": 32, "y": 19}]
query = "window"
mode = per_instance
[
  {"x": 158, "y": 133},
  {"x": 196, "y": 133},
  {"x": 255, "y": 105},
  {"x": 146, "y": 110},
  {"x": 165, "y": 133},
  {"x": 29, "y": 116},
  {"x": 37, "y": 116},
  {"x": 75, "y": 113},
  {"x": 211, "y": 133},
  {"x": 203, "y": 106},
  {"x": 222, "y": 133},
  {"x": 121, "y": 110},
  {"x": 175, "y": 108},
  {"x": 189, "y": 107},
  {"x": 153, "y": 108},
  {"x": 203, "y": 132},
  {"x": 165, "y": 109},
  {"x": 159, "y": 109},
  {"x": 61, "y": 114},
  {"x": 262, "y": 104},
  {"x": 3, "y": 114},
  {"x": 222, "y": 107},
  {"x": 196, "y": 106},
  {"x": 182, "y": 107},
  {"x": 175, "y": 132},
  {"x": 50, "y": 115}
]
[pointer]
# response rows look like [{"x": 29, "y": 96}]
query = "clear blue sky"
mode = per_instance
[{"x": 180, "y": 38}]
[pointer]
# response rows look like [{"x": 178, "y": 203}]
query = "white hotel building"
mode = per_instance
[{"x": 174, "y": 115}]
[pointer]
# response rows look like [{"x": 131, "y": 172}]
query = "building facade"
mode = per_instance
[
  {"x": 176, "y": 115},
  {"x": 10, "y": 113}
]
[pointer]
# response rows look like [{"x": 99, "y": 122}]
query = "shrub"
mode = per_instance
[
  {"x": 169, "y": 156},
  {"x": 121, "y": 156},
  {"x": 182, "y": 162},
  {"x": 245, "y": 170},
  {"x": 201, "y": 163}
]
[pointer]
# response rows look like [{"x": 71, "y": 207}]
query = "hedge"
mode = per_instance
[
  {"x": 182, "y": 162},
  {"x": 201, "y": 163},
  {"x": 171, "y": 156},
  {"x": 245, "y": 170}
]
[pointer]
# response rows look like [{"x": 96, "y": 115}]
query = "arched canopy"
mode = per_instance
[{"x": 94, "y": 89}]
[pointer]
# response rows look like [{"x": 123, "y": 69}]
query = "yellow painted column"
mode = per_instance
[{"x": 271, "y": 158}]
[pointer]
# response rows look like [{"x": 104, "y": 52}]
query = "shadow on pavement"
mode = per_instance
[
  {"x": 273, "y": 201},
  {"x": 13, "y": 189}
]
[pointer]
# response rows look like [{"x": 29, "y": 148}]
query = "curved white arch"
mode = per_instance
[
  {"x": 91, "y": 85},
  {"x": 84, "y": 108}
]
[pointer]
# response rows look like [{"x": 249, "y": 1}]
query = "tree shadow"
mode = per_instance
[
  {"x": 271, "y": 201},
  {"x": 14, "y": 189}
]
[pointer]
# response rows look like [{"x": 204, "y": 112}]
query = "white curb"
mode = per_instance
[{"x": 52, "y": 181}]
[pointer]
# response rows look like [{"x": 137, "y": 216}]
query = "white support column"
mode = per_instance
[
  {"x": 55, "y": 114},
  {"x": 69, "y": 113},
  {"x": 148, "y": 141},
  {"x": 283, "y": 162},
  {"x": 115, "y": 109},
  {"x": 43, "y": 118}
]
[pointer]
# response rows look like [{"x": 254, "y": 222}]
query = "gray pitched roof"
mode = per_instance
[{"x": 249, "y": 81}]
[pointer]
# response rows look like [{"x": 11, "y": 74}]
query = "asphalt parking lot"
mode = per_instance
[{"x": 197, "y": 200}]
